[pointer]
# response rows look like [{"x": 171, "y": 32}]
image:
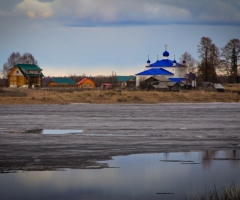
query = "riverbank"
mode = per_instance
[{"x": 65, "y": 96}]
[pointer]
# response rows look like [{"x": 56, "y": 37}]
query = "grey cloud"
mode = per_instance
[{"x": 135, "y": 12}]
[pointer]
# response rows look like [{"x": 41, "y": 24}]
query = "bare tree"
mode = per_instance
[
  {"x": 27, "y": 58},
  {"x": 190, "y": 62},
  {"x": 16, "y": 58},
  {"x": 210, "y": 59},
  {"x": 231, "y": 53}
]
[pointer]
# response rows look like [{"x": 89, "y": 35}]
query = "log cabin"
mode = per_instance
[{"x": 25, "y": 75}]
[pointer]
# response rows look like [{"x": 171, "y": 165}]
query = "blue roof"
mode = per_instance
[
  {"x": 155, "y": 71},
  {"x": 165, "y": 54},
  {"x": 148, "y": 61},
  {"x": 177, "y": 79},
  {"x": 191, "y": 75},
  {"x": 164, "y": 63}
]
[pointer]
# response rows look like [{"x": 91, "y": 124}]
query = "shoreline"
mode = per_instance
[{"x": 42, "y": 96}]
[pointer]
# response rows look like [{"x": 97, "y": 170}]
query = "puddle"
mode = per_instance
[
  {"x": 113, "y": 135},
  {"x": 141, "y": 176},
  {"x": 70, "y": 131},
  {"x": 52, "y": 131}
]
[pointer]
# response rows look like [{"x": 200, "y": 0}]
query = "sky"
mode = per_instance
[{"x": 101, "y": 37}]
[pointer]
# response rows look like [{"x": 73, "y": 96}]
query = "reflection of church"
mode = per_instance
[{"x": 170, "y": 69}]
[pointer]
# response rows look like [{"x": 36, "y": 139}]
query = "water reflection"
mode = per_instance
[
  {"x": 142, "y": 176},
  {"x": 232, "y": 156}
]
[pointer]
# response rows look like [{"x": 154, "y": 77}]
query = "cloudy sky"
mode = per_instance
[{"x": 96, "y": 37}]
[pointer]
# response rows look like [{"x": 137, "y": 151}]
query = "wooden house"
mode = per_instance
[
  {"x": 61, "y": 82},
  {"x": 126, "y": 81},
  {"x": 159, "y": 83},
  {"x": 86, "y": 83},
  {"x": 25, "y": 75}
]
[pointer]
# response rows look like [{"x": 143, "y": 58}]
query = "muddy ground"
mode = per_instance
[
  {"x": 111, "y": 130},
  {"x": 38, "y": 152}
]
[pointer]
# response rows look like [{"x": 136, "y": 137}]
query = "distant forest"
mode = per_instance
[{"x": 217, "y": 65}]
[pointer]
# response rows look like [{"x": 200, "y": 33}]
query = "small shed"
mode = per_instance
[
  {"x": 107, "y": 86},
  {"x": 218, "y": 87},
  {"x": 208, "y": 86},
  {"x": 61, "y": 82},
  {"x": 86, "y": 83}
]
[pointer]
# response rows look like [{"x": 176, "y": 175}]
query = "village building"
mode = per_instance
[
  {"x": 61, "y": 82},
  {"x": 126, "y": 81},
  {"x": 159, "y": 83},
  {"x": 25, "y": 75},
  {"x": 170, "y": 69},
  {"x": 86, "y": 83}
]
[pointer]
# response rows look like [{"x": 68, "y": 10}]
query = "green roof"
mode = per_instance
[
  {"x": 35, "y": 75},
  {"x": 24, "y": 68},
  {"x": 124, "y": 78},
  {"x": 64, "y": 81},
  {"x": 29, "y": 67}
]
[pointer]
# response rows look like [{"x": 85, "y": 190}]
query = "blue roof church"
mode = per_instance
[{"x": 170, "y": 69}]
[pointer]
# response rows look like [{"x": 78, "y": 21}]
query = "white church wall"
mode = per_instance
[{"x": 139, "y": 79}]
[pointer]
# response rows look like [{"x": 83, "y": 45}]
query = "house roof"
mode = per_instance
[
  {"x": 165, "y": 63},
  {"x": 125, "y": 78},
  {"x": 25, "y": 68},
  {"x": 218, "y": 86},
  {"x": 107, "y": 84},
  {"x": 64, "y": 81},
  {"x": 176, "y": 80},
  {"x": 81, "y": 81},
  {"x": 29, "y": 67},
  {"x": 162, "y": 79},
  {"x": 155, "y": 71},
  {"x": 191, "y": 75}
]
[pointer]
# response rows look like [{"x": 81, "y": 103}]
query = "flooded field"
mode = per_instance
[{"x": 76, "y": 151}]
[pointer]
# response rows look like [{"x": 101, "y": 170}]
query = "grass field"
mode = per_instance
[{"x": 66, "y": 96}]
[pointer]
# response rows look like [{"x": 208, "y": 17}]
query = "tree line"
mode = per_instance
[{"x": 214, "y": 64}]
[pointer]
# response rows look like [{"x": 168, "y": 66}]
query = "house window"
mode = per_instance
[
  {"x": 85, "y": 85},
  {"x": 90, "y": 85},
  {"x": 17, "y": 72}
]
